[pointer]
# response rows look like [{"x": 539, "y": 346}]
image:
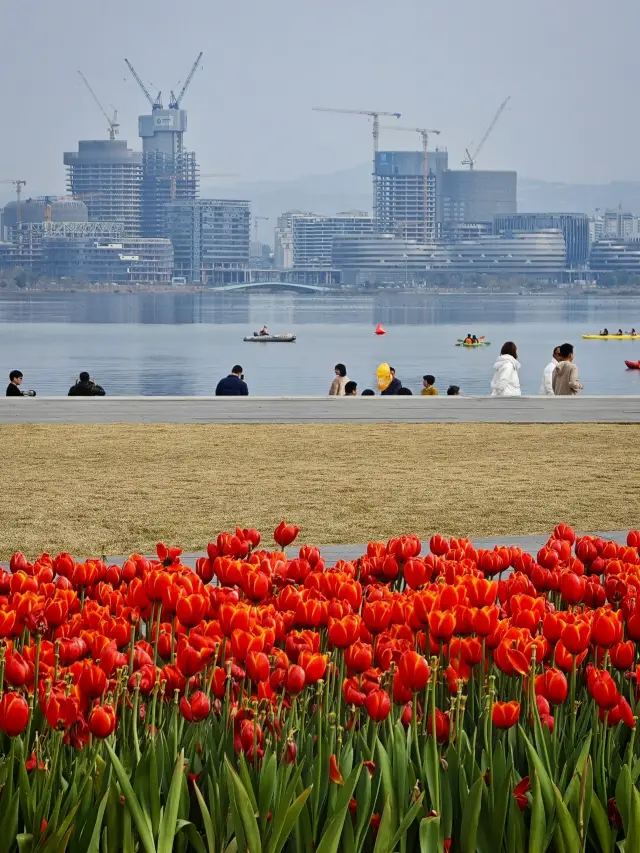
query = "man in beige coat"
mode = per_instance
[
  {"x": 337, "y": 386},
  {"x": 565, "y": 376}
]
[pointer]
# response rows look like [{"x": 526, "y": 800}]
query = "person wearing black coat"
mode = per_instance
[
  {"x": 394, "y": 386},
  {"x": 233, "y": 385},
  {"x": 86, "y": 387}
]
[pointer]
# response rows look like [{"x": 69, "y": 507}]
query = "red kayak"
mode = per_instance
[{"x": 633, "y": 365}]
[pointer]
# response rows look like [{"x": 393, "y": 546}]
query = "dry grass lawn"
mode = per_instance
[{"x": 118, "y": 488}]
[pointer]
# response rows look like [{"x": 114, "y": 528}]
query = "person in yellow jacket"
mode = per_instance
[{"x": 429, "y": 386}]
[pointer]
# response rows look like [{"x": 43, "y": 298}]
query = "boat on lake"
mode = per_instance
[{"x": 287, "y": 338}]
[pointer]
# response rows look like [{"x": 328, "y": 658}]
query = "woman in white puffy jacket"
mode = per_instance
[{"x": 506, "y": 373}]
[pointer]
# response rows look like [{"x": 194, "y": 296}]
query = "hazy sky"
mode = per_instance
[{"x": 570, "y": 66}]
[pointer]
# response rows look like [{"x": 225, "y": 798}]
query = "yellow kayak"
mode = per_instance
[{"x": 611, "y": 337}]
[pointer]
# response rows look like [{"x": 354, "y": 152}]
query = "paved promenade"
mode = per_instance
[{"x": 249, "y": 410}]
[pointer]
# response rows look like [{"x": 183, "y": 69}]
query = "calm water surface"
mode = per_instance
[{"x": 162, "y": 344}]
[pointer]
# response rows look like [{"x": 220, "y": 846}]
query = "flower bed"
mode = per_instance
[{"x": 459, "y": 701}]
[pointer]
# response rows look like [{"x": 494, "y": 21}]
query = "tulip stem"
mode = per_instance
[
  {"x": 436, "y": 769},
  {"x": 572, "y": 702}
]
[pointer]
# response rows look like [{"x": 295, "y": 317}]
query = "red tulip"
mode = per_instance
[
  {"x": 16, "y": 669},
  {"x": 314, "y": 666},
  {"x": 192, "y": 609},
  {"x": 441, "y": 625},
  {"x": 576, "y": 637},
  {"x": 520, "y": 793},
  {"x": 552, "y": 684},
  {"x": 294, "y": 679},
  {"x": 102, "y": 721},
  {"x": 378, "y": 705},
  {"x": 442, "y": 726},
  {"x": 334, "y": 771},
  {"x": 92, "y": 681},
  {"x": 438, "y": 545},
  {"x": 358, "y": 657},
  {"x": 14, "y": 714},
  {"x": 603, "y": 689},
  {"x": 196, "y": 707},
  {"x": 376, "y": 616},
  {"x": 623, "y": 655},
  {"x": 291, "y": 752},
  {"x": 606, "y": 629},
  {"x": 505, "y": 714},
  {"x": 343, "y": 632},
  {"x": 413, "y": 671},
  {"x": 285, "y": 534}
]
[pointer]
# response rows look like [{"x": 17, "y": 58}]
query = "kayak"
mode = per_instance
[
  {"x": 633, "y": 365},
  {"x": 479, "y": 344},
  {"x": 480, "y": 339},
  {"x": 287, "y": 338},
  {"x": 611, "y": 337}
]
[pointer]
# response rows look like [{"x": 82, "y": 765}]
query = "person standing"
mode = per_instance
[
  {"x": 338, "y": 384},
  {"x": 546, "y": 388},
  {"x": 394, "y": 386},
  {"x": 565, "y": 376},
  {"x": 86, "y": 387},
  {"x": 506, "y": 372},
  {"x": 233, "y": 385},
  {"x": 429, "y": 386}
]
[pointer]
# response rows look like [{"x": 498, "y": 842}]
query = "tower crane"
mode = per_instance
[
  {"x": 18, "y": 184},
  {"x": 375, "y": 116},
  {"x": 174, "y": 102},
  {"x": 424, "y": 133},
  {"x": 155, "y": 105},
  {"x": 257, "y": 219},
  {"x": 114, "y": 127},
  {"x": 470, "y": 159}
]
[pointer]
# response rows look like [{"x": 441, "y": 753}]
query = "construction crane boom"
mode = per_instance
[
  {"x": 114, "y": 127},
  {"x": 18, "y": 184},
  {"x": 375, "y": 115},
  {"x": 155, "y": 105},
  {"x": 175, "y": 102},
  {"x": 470, "y": 159}
]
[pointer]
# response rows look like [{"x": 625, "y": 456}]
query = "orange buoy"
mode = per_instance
[{"x": 380, "y": 330}]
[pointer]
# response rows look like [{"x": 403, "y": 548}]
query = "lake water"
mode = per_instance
[{"x": 182, "y": 343}]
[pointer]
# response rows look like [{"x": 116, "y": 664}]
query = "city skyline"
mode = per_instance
[{"x": 264, "y": 68}]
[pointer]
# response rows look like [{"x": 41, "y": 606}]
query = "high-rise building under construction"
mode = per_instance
[
  {"x": 169, "y": 172},
  {"x": 107, "y": 175}
]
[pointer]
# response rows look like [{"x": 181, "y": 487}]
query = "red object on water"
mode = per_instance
[
  {"x": 380, "y": 330},
  {"x": 632, "y": 365}
]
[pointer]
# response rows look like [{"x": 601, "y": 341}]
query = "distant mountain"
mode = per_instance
[{"x": 351, "y": 189}]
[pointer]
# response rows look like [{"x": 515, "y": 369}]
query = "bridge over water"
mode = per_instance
[{"x": 275, "y": 285}]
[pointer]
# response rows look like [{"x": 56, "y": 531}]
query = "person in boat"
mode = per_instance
[
  {"x": 619, "y": 333},
  {"x": 604, "y": 333},
  {"x": 468, "y": 339},
  {"x": 264, "y": 332},
  {"x": 474, "y": 340},
  {"x": 633, "y": 332}
]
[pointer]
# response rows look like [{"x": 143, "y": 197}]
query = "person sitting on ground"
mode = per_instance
[
  {"x": 340, "y": 381},
  {"x": 86, "y": 387},
  {"x": 429, "y": 386},
  {"x": 351, "y": 389},
  {"x": 368, "y": 392},
  {"x": 604, "y": 333},
  {"x": 404, "y": 392},
  {"x": 13, "y": 388},
  {"x": 453, "y": 391},
  {"x": 394, "y": 386},
  {"x": 619, "y": 332},
  {"x": 233, "y": 385},
  {"x": 264, "y": 331}
]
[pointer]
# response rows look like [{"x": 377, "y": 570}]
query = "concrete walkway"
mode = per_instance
[{"x": 255, "y": 410}]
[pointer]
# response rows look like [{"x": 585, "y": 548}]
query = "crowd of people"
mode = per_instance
[{"x": 559, "y": 378}]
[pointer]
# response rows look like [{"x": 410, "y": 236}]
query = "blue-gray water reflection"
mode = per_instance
[{"x": 181, "y": 343}]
